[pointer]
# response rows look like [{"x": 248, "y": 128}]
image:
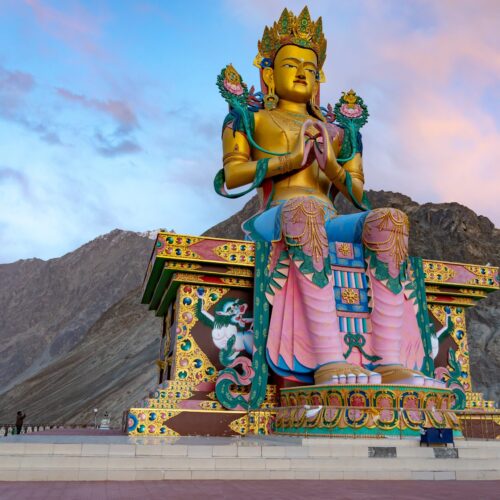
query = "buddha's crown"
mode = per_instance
[{"x": 292, "y": 30}]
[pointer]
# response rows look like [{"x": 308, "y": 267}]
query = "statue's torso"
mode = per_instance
[{"x": 277, "y": 131}]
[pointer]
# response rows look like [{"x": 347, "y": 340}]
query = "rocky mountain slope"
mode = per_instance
[
  {"x": 74, "y": 336},
  {"x": 48, "y": 306},
  {"x": 109, "y": 369}
]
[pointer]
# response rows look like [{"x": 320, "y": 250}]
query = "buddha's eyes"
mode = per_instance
[{"x": 310, "y": 70}]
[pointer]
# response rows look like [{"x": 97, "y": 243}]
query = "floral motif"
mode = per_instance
[
  {"x": 351, "y": 112},
  {"x": 350, "y": 296},
  {"x": 232, "y": 81}
]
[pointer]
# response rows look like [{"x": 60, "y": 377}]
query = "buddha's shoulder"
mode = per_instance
[{"x": 261, "y": 116}]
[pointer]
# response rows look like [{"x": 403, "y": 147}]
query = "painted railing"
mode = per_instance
[{"x": 474, "y": 425}]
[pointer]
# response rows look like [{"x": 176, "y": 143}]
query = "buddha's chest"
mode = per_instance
[{"x": 278, "y": 131}]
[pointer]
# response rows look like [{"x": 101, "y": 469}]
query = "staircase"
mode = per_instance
[{"x": 66, "y": 458}]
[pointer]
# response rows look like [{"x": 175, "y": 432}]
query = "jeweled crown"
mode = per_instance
[{"x": 293, "y": 30}]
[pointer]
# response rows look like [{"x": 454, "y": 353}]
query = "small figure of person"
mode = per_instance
[{"x": 19, "y": 421}]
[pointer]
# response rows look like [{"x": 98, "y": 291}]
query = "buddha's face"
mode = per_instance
[{"x": 294, "y": 73}]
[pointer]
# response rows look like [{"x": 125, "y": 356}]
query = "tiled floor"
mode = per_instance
[
  {"x": 258, "y": 490},
  {"x": 117, "y": 438}
]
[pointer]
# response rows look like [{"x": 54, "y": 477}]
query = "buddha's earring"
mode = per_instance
[{"x": 270, "y": 99}]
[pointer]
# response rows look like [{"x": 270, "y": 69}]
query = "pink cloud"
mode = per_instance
[
  {"x": 426, "y": 69},
  {"x": 77, "y": 28},
  {"x": 16, "y": 81},
  {"x": 120, "y": 111},
  {"x": 445, "y": 140},
  {"x": 14, "y": 86}
]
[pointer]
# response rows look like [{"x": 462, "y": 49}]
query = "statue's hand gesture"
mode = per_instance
[
  {"x": 325, "y": 154},
  {"x": 302, "y": 153},
  {"x": 297, "y": 158}
]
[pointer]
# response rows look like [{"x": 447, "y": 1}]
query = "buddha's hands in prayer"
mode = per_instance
[
  {"x": 321, "y": 146},
  {"x": 330, "y": 165},
  {"x": 313, "y": 143},
  {"x": 298, "y": 157}
]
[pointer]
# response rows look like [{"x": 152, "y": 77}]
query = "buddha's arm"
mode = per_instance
[
  {"x": 239, "y": 169},
  {"x": 337, "y": 174},
  {"x": 355, "y": 169}
]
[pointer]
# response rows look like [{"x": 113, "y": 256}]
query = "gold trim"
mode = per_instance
[
  {"x": 187, "y": 410},
  {"x": 458, "y": 263}
]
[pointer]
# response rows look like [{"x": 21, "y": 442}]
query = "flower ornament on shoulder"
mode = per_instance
[
  {"x": 232, "y": 87},
  {"x": 351, "y": 109},
  {"x": 232, "y": 81},
  {"x": 351, "y": 112},
  {"x": 350, "y": 106}
]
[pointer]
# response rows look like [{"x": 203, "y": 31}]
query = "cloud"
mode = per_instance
[
  {"x": 119, "y": 111},
  {"x": 15, "y": 89},
  {"x": 110, "y": 148},
  {"x": 16, "y": 81},
  {"x": 79, "y": 28},
  {"x": 433, "y": 79},
  {"x": 427, "y": 71},
  {"x": 119, "y": 142},
  {"x": 14, "y": 86},
  {"x": 19, "y": 178},
  {"x": 59, "y": 210}
]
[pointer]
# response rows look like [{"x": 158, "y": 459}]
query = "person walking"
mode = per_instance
[{"x": 19, "y": 421}]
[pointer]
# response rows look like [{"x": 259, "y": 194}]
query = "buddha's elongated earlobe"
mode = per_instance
[
  {"x": 270, "y": 99},
  {"x": 312, "y": 103}
]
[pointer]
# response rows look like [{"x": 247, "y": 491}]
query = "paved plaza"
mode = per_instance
[{"x": 258, "y": 490}]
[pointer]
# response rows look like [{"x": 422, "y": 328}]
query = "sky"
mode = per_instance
[{"x": 110, "y": 116}]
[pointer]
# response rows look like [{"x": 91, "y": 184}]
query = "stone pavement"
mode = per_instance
[{"x": 251, "y": 490}]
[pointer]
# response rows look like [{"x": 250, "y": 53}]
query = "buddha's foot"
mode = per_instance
[
  {"x": 397, "y": 374},
  {"x": 344, "y": 373}
]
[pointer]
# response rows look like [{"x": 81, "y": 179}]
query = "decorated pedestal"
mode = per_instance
[
  {"x": 364, "y": 410},
  {"x": 203, "y": 290}
]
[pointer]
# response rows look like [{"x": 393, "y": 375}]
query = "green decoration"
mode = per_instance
[
  {"x": 381, "y": 271},
  {"x": 229, "y": 376},
  {"x": 453, "y": 382},
  {"x": 357, "y": 340},
  {"x": 416, "y": 287},
  {"x": 319, "y": 278},
  {"x": 260, "y": 175}
]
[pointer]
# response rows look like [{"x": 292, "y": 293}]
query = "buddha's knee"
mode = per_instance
[
  {"x": 303, "y": 220},
  {"x": 386, "y": 233},
  {"x": 304, "y": 209}
]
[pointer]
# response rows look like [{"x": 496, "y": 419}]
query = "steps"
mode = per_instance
[{"x": 121, "y": 458}]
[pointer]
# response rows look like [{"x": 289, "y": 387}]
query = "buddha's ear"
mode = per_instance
[
  {"x": 268, "y": 77},
  {"x": 315, "y": 90}
]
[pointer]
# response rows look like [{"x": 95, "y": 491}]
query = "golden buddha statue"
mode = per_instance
[{"x": 297, "y": 159}]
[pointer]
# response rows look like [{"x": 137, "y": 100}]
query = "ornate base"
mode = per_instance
[
  {"x": 187, "y": 422},
  {"x": 364, "y": 410},
  {"x": 179, "y": 408}
]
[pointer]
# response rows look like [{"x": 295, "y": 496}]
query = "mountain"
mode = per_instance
[
  {"x": 74, "y": 336},
  {"x": 110, "y": 368},
  {"x": 48, "y": 306}
]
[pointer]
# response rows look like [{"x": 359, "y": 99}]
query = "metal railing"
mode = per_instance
[
  {"x": 480, "y": 424},
  {"x": 11, "y": 429},
  {"x": 472, "y": 424}
]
